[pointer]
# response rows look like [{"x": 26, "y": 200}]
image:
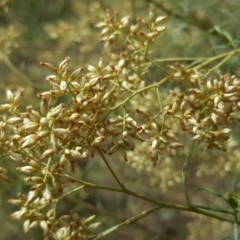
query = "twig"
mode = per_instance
[
  {"x": 148, "y": 199},
  {"x": 184, "y": 173},
  {"x": 110, "y": 169},
  {"x": 127, "y": 222}
]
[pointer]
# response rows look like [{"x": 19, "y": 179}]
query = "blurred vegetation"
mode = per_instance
[{"x": 48, "y": 31}]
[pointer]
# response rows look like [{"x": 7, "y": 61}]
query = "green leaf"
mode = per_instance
[
  {"x": 214, "y": 193},
  {"x": 224, "y": 34}
]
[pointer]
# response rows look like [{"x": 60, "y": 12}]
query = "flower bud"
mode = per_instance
[
  {"x": 63, "y": 64},
  {"x": 14, "y": 120},
  {"x": 49, "y": 66}
]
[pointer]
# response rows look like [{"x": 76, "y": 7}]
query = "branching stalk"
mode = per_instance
[
  {"x": 184, "y": 174},
  {"x": 127, "y": 222},
  {"x": 110, "y": 169}
]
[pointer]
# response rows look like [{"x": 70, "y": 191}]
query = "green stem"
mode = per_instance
[
  {"x": 235, "y": 231},
  {"x": 161, "y": 109},
  {"x": 213, "y": 209},
  {"x": 70, "y": 192},
  {"x": 127, "y": 222},
  {"x": 219, "y": 64},
  {"x": 178, "y": 206},
  {"x": 47, "y": 169},
  {"x": 212, "y": 59},
  {"x": 151, "y": 200},
  {"x": 156, "y": 85},
  {"x": 182, "y": 59},
  {"x": 184, "y": 174},
  {"x": 110, "y": 169}
]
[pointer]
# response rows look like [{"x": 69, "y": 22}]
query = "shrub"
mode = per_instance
[{"x": 168, "y": 126}]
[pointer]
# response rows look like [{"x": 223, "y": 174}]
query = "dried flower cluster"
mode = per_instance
[
  {"x": 98, "y": 111},
  {"x": 47, "y": 143},
  {"x": 207, "y": 107}
]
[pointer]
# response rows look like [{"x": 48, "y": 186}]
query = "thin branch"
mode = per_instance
[
  {"x": 184, "y": 174},
  {"x": 219, "y": 64},
  {"x": 212, "y": 59},
  {"x": 154, "y": 201},
  {"x": 134, "y": 94},
  {"x": 235, "y": 231},
  {"x": 117, "y": 217},
  {"x": 70, "y": 192},
  {"x": 214, "y": 209},
  {"x": 127, "y": 222},
  {"x": 110, "y": 169}
]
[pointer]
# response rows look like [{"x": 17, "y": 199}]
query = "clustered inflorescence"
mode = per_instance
[{"x": 93, "y": 111}]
